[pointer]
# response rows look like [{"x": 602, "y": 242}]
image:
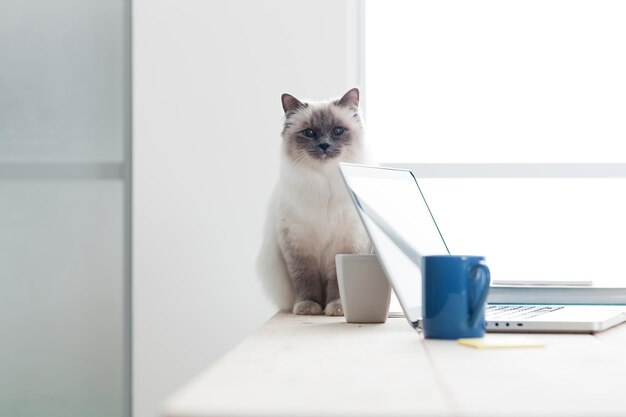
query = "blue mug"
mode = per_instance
[{"x": 454, "y": 291}]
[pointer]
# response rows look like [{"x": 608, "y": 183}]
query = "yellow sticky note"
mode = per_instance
[{"x": 489, "y": 342}]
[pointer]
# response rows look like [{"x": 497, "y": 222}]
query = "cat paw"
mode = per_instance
[
  {"x": 307, "y": 307},
  {"x": 334, "y": 308}
]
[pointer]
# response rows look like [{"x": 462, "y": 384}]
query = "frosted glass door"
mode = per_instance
[{"x": 64, "y": 208}]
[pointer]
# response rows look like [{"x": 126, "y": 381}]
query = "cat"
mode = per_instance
[{"x": 311, "y": 217}]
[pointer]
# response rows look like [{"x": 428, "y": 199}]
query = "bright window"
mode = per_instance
[
  {"x": 496, "y": 81},
  {"x": 514, "y": 116}
]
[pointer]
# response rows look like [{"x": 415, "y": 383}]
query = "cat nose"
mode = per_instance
[{"x": 324, "y": 146}]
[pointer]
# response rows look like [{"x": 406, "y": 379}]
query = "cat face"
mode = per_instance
[{"x": 321, "y": 131}]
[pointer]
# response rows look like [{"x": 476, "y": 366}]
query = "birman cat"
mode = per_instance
[{"x": 311, "y": 217}]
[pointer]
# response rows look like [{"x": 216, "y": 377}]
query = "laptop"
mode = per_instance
[{"x": 402, "y": 229}]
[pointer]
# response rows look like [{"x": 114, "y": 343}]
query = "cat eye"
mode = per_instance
[
  {"x": 309, "y": 133},
  {"x": 338, "y": 131}
]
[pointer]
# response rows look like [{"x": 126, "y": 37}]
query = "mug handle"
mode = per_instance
[{"x": 482, "y": 278}]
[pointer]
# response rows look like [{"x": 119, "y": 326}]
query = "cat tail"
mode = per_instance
[{"x": 272, "y": 271}]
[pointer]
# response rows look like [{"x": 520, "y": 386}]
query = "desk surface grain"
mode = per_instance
[{"x": 322, "y": 366}]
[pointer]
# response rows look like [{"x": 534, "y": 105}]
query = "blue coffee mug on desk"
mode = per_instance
[{"x": 454, "y": 291}]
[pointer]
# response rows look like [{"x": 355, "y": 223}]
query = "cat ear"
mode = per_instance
[
  {"x": 350, "y": 99},
  {"x": 290, "y": 103}
]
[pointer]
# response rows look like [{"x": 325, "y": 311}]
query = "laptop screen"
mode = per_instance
[{"x": 392, "y": 199}]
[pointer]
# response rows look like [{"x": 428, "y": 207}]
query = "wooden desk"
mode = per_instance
[{"x": 322, "y": 366}]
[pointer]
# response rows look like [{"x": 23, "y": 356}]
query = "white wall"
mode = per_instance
[{"x": 207, "y": 118}]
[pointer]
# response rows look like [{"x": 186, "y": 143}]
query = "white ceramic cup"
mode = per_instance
[{"x": 363, "y": 287}]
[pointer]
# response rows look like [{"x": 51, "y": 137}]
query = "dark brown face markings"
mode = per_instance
[{"x": 320, "y": 133}]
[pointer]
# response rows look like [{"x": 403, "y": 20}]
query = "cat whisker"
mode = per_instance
[{"x": 299, "y": 250}]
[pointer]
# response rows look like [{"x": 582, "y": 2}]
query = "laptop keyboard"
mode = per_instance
[{"x": 509, "y": 312}]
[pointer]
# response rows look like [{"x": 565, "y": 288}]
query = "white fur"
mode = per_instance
[{"x": 311, "y": 199}]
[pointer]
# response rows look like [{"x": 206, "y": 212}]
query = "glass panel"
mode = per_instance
[
  {"x": 63, "y": 133},
  {"x": 62, "y": 69},
  {"x": 496, "y": 81},
  {"x": 61, "y": 299}
]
